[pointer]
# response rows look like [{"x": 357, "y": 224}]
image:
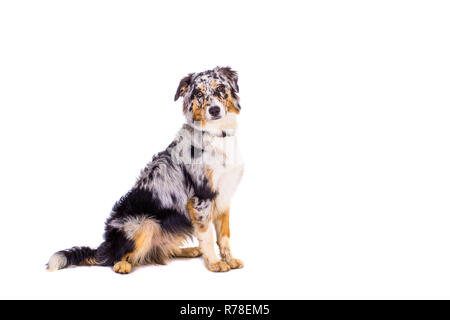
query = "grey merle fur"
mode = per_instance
[{"x": 162, "y": 190}]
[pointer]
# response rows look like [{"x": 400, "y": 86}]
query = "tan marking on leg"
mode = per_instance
[
  {"x": 225, "y": 224},
  {"x": 200, "y": 225},
  {"x": 222, "y": 225},
  {"x": 206, "y": 244},
  {"x": 213, "y": 84},
  {"x": 145, "y": 233},
  {"x": 144, "y": 239},
  {"x": 205, "y": 235}
]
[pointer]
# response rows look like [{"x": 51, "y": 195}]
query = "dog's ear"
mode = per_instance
[
  {"x": 182, "y": 87},
  {"x": 231, "y": 75}
]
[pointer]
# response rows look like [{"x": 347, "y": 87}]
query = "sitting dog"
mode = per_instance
[{"x": 182, "y": 192}]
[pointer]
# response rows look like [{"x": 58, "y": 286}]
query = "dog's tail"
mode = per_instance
[{"x": 77, "y": 256}]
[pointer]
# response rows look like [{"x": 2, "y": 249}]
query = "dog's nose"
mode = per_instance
[{"x": 214, "y": 111}]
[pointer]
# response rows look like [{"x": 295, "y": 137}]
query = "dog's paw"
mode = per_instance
[
  {"x": 235, "y": 263},
  {"x": 218, "y": 266},
  {"x": 122, "y": 267},
  {"x": 190, "y": 252},
  {"x": 193, "y": 252}
]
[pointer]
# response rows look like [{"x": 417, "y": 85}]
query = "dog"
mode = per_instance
[{"x": 185, "y": 191}]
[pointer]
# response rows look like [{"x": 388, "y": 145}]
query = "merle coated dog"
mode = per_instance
[{"x": 183, "y": 192}]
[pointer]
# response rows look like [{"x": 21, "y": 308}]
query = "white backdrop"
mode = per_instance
[{"x": 344, "y": 128}]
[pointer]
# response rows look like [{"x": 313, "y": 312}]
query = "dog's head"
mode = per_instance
[{"x": 210, "y": 95}]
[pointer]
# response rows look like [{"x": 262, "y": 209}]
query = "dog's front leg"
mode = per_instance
[
  {"x": 201, "y": 215},
  {"x": 222, "y": 224}
]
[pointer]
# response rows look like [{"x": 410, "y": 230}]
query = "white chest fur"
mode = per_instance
[{"x": 226, "y": 168}]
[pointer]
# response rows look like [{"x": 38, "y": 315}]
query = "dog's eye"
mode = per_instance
[
  {"x": 221, "y": 88},
  {"x": 199, "y": 94}
]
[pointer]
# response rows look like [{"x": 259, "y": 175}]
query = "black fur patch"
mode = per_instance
[
  {"x": 201, "y": 190},
  {"x": 77, "y": 255},
  {"x": 114, "y": 248},
  {"x": 196, "y": 152},
  {"x": 141, "y": 202}
]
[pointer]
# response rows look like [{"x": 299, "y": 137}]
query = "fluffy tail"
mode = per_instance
[{"x": 77, "y": 256}]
